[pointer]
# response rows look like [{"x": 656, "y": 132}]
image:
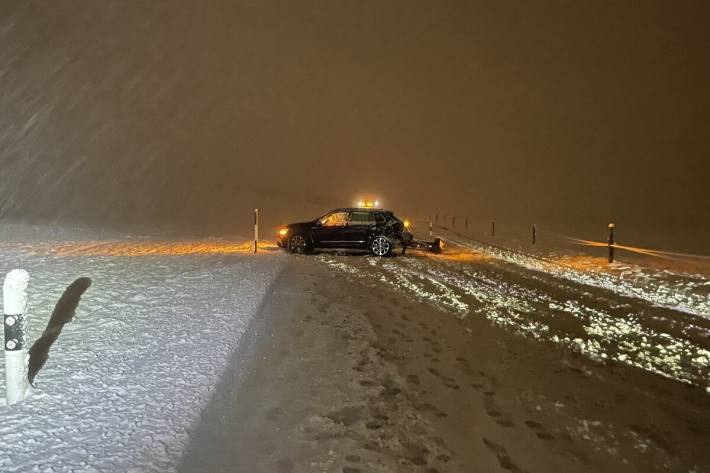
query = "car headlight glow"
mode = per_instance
[{"x": 283, "y": 231}]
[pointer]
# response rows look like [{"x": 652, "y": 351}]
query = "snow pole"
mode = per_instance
[
  {"x": 256, "y": 229},
  {"x": 453, "y": 222},
  {"x": 466, "y": 223},
  {"x": 534, "y": 233},
  {"x": 430, "y": 231},
  {"x": 493, "y": 228},
  {"x": 611, "y": 242},
  {"x": 436, "y": 218},
  {"x": 15, "y": 302}
]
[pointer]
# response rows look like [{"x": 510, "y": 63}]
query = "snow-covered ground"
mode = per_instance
[
  {"x": 132, "y": 372},
  {"x": 677, "y": 283},
  {"x": 651, "y": 319},
  {"x": 461, "y": 375},
  {"x": 154, "y": 333}
]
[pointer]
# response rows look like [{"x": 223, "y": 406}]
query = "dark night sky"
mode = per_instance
[{"x": 548, "y": 111}]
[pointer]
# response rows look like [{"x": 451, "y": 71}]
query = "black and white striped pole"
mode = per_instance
[
  {"x": 256, "y": 230},
  {"x": 14, "y": 292}
]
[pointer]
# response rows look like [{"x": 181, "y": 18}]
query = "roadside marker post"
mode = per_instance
[
  {"x": 453, "y": 222},
  {"x": 256, "y": 230},
  {"x": 493, "y": 228},
  {"x": 611, "y": 242},
  {"x": 15, "y": 304},
  {"x": 466, "y": 223},
  {"x": 534, "y": 233},
  {"x": 430, "y": 230}
]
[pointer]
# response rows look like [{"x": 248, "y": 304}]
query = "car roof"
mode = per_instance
[{"x": 360, "y": 209}]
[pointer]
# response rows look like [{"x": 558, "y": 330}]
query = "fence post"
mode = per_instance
[
  {"x": 430, "y": 232},
  {"x": 534, "y": 233},
  {"x": 611, "y": 242},
  {"x": 493, "y": 228},
  {"x": 15, "y": 302},
  {"x": 256, "y": 229}
]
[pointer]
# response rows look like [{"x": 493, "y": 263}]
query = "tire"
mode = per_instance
[
  {"x": 298, "y": 244},
  {"x": 381, "y": 246}
]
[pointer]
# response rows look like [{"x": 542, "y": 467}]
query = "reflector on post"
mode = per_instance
[{"x": 15, "y": 303}]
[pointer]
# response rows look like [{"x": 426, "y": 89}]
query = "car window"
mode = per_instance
[
  {"x": 334, "y": 219},
  {"x": 362, "y": 218},
  {"x": 379, "y": 218}
]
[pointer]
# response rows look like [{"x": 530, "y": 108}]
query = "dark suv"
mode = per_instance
[{"x": 376, "y": 230}]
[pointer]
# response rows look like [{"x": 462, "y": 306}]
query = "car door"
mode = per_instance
[
  {"x": 360, "y": 225},
  {"x": 329, "y": 231}
]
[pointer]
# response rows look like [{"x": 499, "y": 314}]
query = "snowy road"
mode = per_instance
[
  {"x": 607, "y": 372},
  {"x": 439, "y": 364},
  {"x": 151, "y": 338}
]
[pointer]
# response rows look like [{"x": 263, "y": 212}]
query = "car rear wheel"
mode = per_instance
[
  {"x": 298, "y": 244},
  {"x": 381, "y": 246}
]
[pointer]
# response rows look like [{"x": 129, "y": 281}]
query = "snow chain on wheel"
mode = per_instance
[{"x": 380, "y": 246}]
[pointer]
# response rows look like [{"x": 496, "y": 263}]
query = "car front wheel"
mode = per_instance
[
  {"x": 298, "y": 244},
  {"x": 381, "y": 246}
]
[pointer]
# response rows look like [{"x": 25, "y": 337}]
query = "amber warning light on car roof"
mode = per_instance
[{"x": 369, "y": 204}]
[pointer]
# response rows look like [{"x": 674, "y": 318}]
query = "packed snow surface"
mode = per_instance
[{"x": 132, "y": 372}]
